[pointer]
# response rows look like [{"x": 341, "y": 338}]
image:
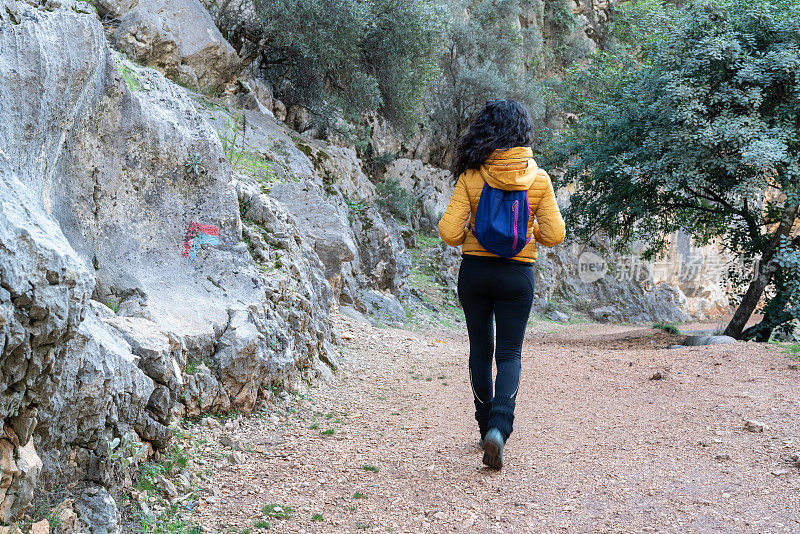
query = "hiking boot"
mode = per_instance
[{"x": 493, "y": 445}]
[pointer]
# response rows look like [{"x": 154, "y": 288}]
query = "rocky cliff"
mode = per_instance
[
  {"x": 165, "y": 253},
  {"x": 128, "y": 295}
]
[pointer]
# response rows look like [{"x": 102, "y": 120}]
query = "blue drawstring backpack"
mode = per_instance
[{"x": 501, "y": 221}]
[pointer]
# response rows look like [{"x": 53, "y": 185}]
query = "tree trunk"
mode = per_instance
[
  {"x": 749, "y": 302},
  {"x": 245, "y": 61},
  {"x": 763, "y": 273}
]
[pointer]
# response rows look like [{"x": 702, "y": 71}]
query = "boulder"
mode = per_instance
[
  {"x": 97, "y": 512},
  {"x": 178, "y": 37},
  {"x": 558, "y": 316},
  {"x": 143, "y": 36},
  {"x": 384, "y": 306},
  {"x": 694, "y": 341},
  {"x": 605, "y": 314}
]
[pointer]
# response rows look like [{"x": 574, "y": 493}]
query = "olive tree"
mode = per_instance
[
  {"x": 345, "y": 57},
  {"x": 483, "y": 59},
  {"x": 695, "y": 125}
]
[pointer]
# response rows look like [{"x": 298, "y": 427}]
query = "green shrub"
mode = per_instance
[
  {"x": 395, "y": 199},
  {"x": 344, "y": 57},
  {"x": 277, "y": 511},
  {"x": 667, "y": 327}
]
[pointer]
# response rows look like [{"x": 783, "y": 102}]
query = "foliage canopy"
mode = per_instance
[
  {"x": 484, "y": 59},
  {"x": 693, "y": 124},
  {"x": 345, "y": 57}
]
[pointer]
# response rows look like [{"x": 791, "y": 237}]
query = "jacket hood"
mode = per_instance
[{"x": 510, "y": 170}]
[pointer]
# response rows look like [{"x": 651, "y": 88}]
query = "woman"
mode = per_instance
[{"x": 495, "y": 152}]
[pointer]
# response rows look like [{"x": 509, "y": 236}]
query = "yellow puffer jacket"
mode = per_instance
[{"x": 509, "y": 170}]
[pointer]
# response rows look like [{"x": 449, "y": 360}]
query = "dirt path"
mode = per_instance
[{"x": 598, "y": 446}]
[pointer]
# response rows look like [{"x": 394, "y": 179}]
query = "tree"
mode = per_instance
[
  {"x": 695, "y": 125},
  {"x": 484, "y": 59},
  {"x": 345, "y": 57}
]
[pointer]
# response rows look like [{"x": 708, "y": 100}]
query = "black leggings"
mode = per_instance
[{"x": 503, "y": 288}]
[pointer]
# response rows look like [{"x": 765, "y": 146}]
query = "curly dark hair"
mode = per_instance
[{"x": 501, "y": 124}]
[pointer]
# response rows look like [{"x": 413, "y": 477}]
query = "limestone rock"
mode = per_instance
[
  {"x": 177, "y": 36},
  {"x": 605, "y": 314},
  {"x": 694, "y": 341},
  {"x": 558, "y": 316},
  {"x": 384, "y": 306},
  {"x": 321, "y": 224},
  {"x": 325, "y": 190},
  {"x": 66, "y": 517},
  {"x": 169, "y": 488},
  {"x": 203, "y": 393},
  {"x": 20, "y": 467},
  {"x": 353, "y": 313},
  {"x": 143, "y": 36},
  {"x": 43, "y": 288},
  {"x": 115, "y": 187},
  {"x": 431, "y": 186},
  {"x": 97, "y": 512},
  {"x": 101, "y": 394}
]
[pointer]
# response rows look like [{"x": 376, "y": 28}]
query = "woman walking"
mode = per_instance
[{"x": 500, "y": 196}]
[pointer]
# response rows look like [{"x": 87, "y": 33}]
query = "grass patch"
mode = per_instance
[
  {"x": 669, "y": 328},
  {"x": 792, "y": 349},
  {"x": 193, "y": 366},
  {"x": 251, "y": 163},
  {"x": 129, "y": 74},
  {"x": 371, "y": 468},
  {"x": 261, "y": 523},
  {"x": 277, "y": 511},
  {"x": 174, "y": 458},
  {"x": 44, "y": 506},
  {"x": 318, "y": 517},
  {"x": 167, "y": 522},
  {"x": 147, "y": 475},
  {"x": 328, "y": 432},
  {"x": 359, "y": 495},
  {"x": 363, "y": 526}
]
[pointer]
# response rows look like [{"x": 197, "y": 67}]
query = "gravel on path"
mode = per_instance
[{"x": 613, "y": 433}]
